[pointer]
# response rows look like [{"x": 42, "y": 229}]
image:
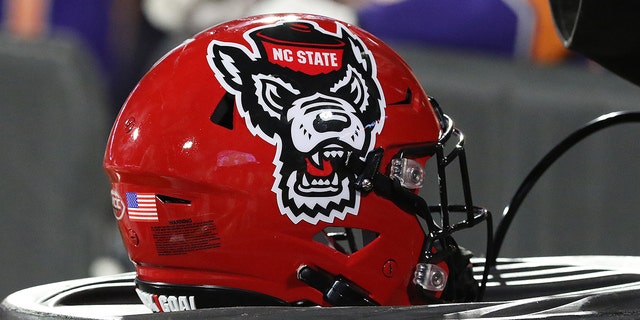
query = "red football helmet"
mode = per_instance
[{"x": 276, "y": 160}]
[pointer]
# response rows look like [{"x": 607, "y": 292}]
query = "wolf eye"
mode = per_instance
[
  {"x": 353, "y": 87},
  {"x": 273, "y": 93}
]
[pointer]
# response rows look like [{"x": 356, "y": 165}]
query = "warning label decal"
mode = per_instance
[{"x": 184, "y": 237}]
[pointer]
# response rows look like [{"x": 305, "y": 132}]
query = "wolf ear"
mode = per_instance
[{"x": 228, "y": 62}]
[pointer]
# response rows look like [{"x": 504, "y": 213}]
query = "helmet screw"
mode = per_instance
[
  {"x": 133, "y": 238},
  {"x": 129, "y": 124},
  {"x": 437, "y": 278},
  {"x": 367, "y": 185},
  {"x": 416, "y": 175},
  {"x": 388, "y": 268}
]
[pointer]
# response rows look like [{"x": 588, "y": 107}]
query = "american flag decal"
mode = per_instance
[{"x": 142, "y": 206}]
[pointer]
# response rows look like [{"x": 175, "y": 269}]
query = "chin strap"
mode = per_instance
[
  {"x": 370, "y": 179},
  {"x": 336, "y": 290}
]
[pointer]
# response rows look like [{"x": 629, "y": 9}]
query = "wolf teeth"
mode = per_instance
[
  {"x": 315, "y": 159},
  {"x": 319, "y": 182},
  {"x": 333, "y": 154}
]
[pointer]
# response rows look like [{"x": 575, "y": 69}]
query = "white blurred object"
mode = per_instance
[
  {"x": 329, "y": 8},
  {"x": 191, "y": 16},
  {"x": 105, "y": 266}
]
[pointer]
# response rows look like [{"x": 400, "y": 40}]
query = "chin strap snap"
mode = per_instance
[{"x": 368, "y": 171}]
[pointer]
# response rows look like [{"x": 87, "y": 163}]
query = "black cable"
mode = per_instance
[
  {"x": 489, "y": 253},
  {"x": 593, "y": 126}
]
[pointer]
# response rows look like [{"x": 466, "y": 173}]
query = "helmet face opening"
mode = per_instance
[{"x": 276, "y": 160}]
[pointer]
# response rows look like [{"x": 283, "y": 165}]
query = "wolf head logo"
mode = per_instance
[{"x": 314, "y": 95}]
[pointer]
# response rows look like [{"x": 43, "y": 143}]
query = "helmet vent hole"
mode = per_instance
[
  {"x": 345, "y": 240},
  {"x": 168, "y": 199},
  {"x": 223, "y": 113},
  {"x": 407, "y": 98}
]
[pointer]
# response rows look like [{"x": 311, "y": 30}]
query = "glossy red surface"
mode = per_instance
[{"x": 163, "y": 142}]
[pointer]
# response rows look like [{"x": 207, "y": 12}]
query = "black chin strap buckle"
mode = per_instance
[
  {"x": 368, "y": 170},
  {"x": 336, "y": 290}
]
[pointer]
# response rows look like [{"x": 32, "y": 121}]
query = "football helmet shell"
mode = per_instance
[{"x": 249, "y": 166}]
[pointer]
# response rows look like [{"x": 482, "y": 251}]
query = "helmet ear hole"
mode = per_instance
[{"x": 345, "y": 240}]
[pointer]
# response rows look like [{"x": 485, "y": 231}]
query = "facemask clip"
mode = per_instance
[
  {"x": 430, "y": 277},
  {"x": 408, "y": 172}
]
